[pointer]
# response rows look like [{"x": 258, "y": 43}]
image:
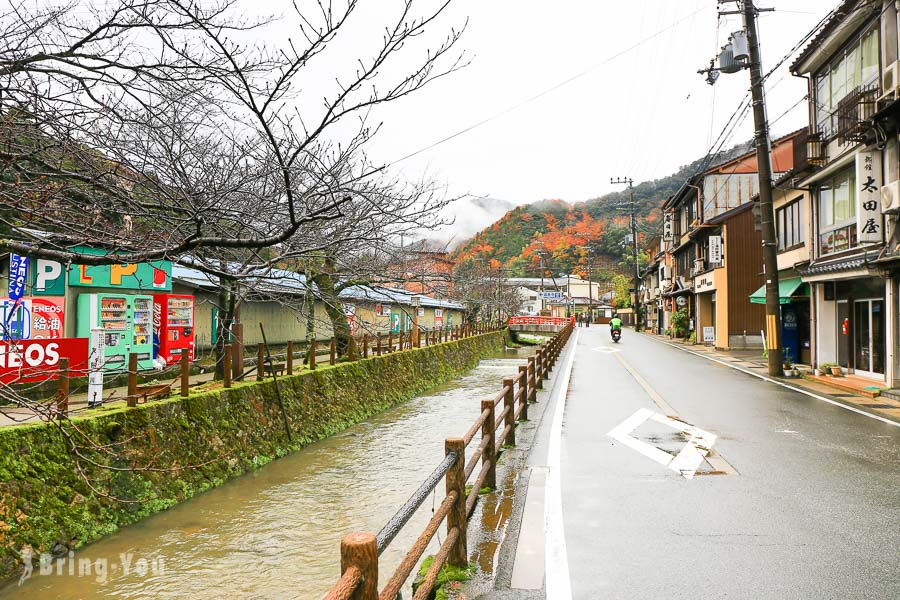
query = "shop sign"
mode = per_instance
[
  {"x": 37, "y": 360},
  {"x": 156, "y": 275},
  {"x": 668, "y": 229},
  {"x": 395, "y": 323},
  {"x": 709, "y": 335},
  {"x": 681, "y": 300},
  {"x": 420, "y": 312},
  {"x": 47, "y": 278},
  {"x": 868, "y": 192},
  {"x": 704, "y": 283},
  {"x": 33, "y": 318},
  {"x": 382, "y": 310},
  {"x": 715, "y": 249},
  {"x": 18, "y": 275}
]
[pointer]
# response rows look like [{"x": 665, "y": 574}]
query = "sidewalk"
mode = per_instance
[
  {"x": 114, "y": 397},
  {"x": 847, "y": 390}
]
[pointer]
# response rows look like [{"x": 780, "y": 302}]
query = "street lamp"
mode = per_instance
[{"x": 415, "y": 300}]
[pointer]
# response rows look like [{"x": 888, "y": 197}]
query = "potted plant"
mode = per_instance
[{"x": 831, "y": 368}]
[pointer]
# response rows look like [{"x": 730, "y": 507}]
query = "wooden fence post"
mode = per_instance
[
  {"x": 311, "y": 354},
  {"x": 132, "y": 380},
  {"x": 226, "y": 380},
  {"x": 351, "y": 349},
  {"x": 390, "y": 345},
  {"x": 185, "y": 375},
  {"x": 365, "y": 345},
  {"x": 260, "y": 361},
  {"x": 523, "y": 387},
  {"x": 360, "y": 550},
  {"x": 289, "y": 360},
  {"x": 532, "y": 390},
  {"x": 488, "y": 432},
  {"x": 509, "y": 404},
  {"x": 332, "y": 351},
  {"x": 456, "y": 518},
  {"x": 538, "y": 379},
  {"x": 62, "y": 387},
  {"x": 237, "y": 345},
  {"x": 378, "y": 345}
]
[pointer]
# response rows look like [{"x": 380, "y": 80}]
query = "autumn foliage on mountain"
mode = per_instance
[{"x": 568, "y": 234}]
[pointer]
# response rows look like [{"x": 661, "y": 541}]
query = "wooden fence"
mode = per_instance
[{"x": 360, "y": 551}]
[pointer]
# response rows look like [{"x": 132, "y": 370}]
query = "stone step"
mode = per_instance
[{"x": 893, "y": 394}]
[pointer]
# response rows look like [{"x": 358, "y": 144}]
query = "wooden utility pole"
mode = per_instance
[
  {"x": 634, "y": 250},
  {"x": 753, "y": 61},
  {"x": 767, "y": 211}
]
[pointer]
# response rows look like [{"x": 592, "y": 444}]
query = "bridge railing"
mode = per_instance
[
  {"x": 360, "y": 551},
  {"x": 534, "y": 320}
]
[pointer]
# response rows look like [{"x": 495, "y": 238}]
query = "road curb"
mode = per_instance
[{"x": 783, "y": 382}]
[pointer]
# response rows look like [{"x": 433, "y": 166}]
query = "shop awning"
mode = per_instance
[{"x": 786, "y": 289}]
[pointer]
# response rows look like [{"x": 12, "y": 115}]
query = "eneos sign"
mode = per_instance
[{"x": 35, "y": 360}]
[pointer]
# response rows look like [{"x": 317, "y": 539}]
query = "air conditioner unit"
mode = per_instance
[
  {"x": 890, "y": 197},
  {"x": 699, "y": 266},
  {"x": 890, "y": 83}
]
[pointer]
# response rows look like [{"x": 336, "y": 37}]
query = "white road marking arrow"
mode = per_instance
[{"x": 686, "y": 462}]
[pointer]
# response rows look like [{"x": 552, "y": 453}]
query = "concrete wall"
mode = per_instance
[{"x": 826, "y": 326}]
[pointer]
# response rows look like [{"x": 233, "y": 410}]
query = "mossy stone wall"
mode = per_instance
[{"x": 219, "y": 435}]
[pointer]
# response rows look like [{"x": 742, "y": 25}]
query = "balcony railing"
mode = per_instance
[{"x": 853, "y": 111}]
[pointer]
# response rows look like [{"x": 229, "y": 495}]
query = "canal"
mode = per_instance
[{"x": 275, "y": 532}]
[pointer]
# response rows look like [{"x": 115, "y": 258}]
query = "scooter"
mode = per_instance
[{"x": 616, "y": 335}]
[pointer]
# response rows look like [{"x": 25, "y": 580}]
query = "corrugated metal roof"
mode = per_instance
[{"x": 289, "y": 282}]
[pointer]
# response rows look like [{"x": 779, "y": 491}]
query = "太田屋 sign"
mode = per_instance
[{"x": 36, "y": 360}]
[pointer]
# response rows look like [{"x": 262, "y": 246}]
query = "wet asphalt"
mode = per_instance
[{"x": 813, "y": 510}]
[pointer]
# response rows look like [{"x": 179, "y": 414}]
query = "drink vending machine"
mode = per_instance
[
  {"x": 173, "y": 326},
  {"x": 127, "y": 324}
]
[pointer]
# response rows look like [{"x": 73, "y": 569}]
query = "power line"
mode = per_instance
[{"x": 549, "y": 90}]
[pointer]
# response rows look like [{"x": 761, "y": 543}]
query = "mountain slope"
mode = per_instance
[{"x": 566, "y": 234}]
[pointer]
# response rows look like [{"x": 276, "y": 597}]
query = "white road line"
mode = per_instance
[
  {"x": 556, "y": 560},
  {"x": 788, "y": 386}
]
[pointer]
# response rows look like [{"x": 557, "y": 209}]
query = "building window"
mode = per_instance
[
  {"x": 854, "y": 67},
  {"x": 789, "y": 225},
  {"x": 837, "y": 212}
]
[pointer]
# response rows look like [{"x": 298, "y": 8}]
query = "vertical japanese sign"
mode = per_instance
[
  {"x": 350, "y": 313},
  {"x": 715, "y": 249},
  {"x": 668, "y": 232},
  {"x": 18, "y": 276},
  {"x": 868, "y": 194}
]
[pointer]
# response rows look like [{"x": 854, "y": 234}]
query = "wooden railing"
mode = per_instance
[
  {"x": 360, "y": 551},
  {"x": 530, "y": 320}
]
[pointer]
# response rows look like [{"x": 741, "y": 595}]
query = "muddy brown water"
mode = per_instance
[{"x": 275, "y": 533}]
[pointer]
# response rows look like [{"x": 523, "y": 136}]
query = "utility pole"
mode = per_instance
[
  {"x": 753, "y": 61},
  {"x": 540, "y": 254},
  {"x": 634, "y": 249},
  {"x": 590, "y": 252}
]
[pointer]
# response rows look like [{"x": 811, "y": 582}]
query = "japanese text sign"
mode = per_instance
[{"x": 868, "y": 194}]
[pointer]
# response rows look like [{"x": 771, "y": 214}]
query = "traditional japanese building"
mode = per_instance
[{"x": 854, "y": 86}]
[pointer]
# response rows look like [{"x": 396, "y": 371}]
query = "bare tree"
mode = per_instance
[
  {"x": 163, "y": 129},
  {"x": 152, "y": 129}
]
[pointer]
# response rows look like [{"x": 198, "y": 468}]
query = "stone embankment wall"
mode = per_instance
[{"x": 60, "y": 487}]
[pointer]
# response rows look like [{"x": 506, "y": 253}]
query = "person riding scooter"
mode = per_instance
[{"x": 615, "y": 325}]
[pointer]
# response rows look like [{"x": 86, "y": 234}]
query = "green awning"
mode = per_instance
[{"x": 786, "y": 289}]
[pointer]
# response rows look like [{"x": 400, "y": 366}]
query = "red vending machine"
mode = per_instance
[{"x": 173, "y": 326}]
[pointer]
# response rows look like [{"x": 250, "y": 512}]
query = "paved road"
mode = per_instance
[{"x": 812, "y": 511}]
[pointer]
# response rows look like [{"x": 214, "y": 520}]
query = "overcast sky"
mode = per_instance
[
  {"x": 641, "y": 113},
  {"x": 638, "y": 109}
]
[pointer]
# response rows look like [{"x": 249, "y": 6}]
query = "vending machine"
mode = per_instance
[
  {"x": 173, "y": 326},
  {"x": 127, "y": 323}
]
